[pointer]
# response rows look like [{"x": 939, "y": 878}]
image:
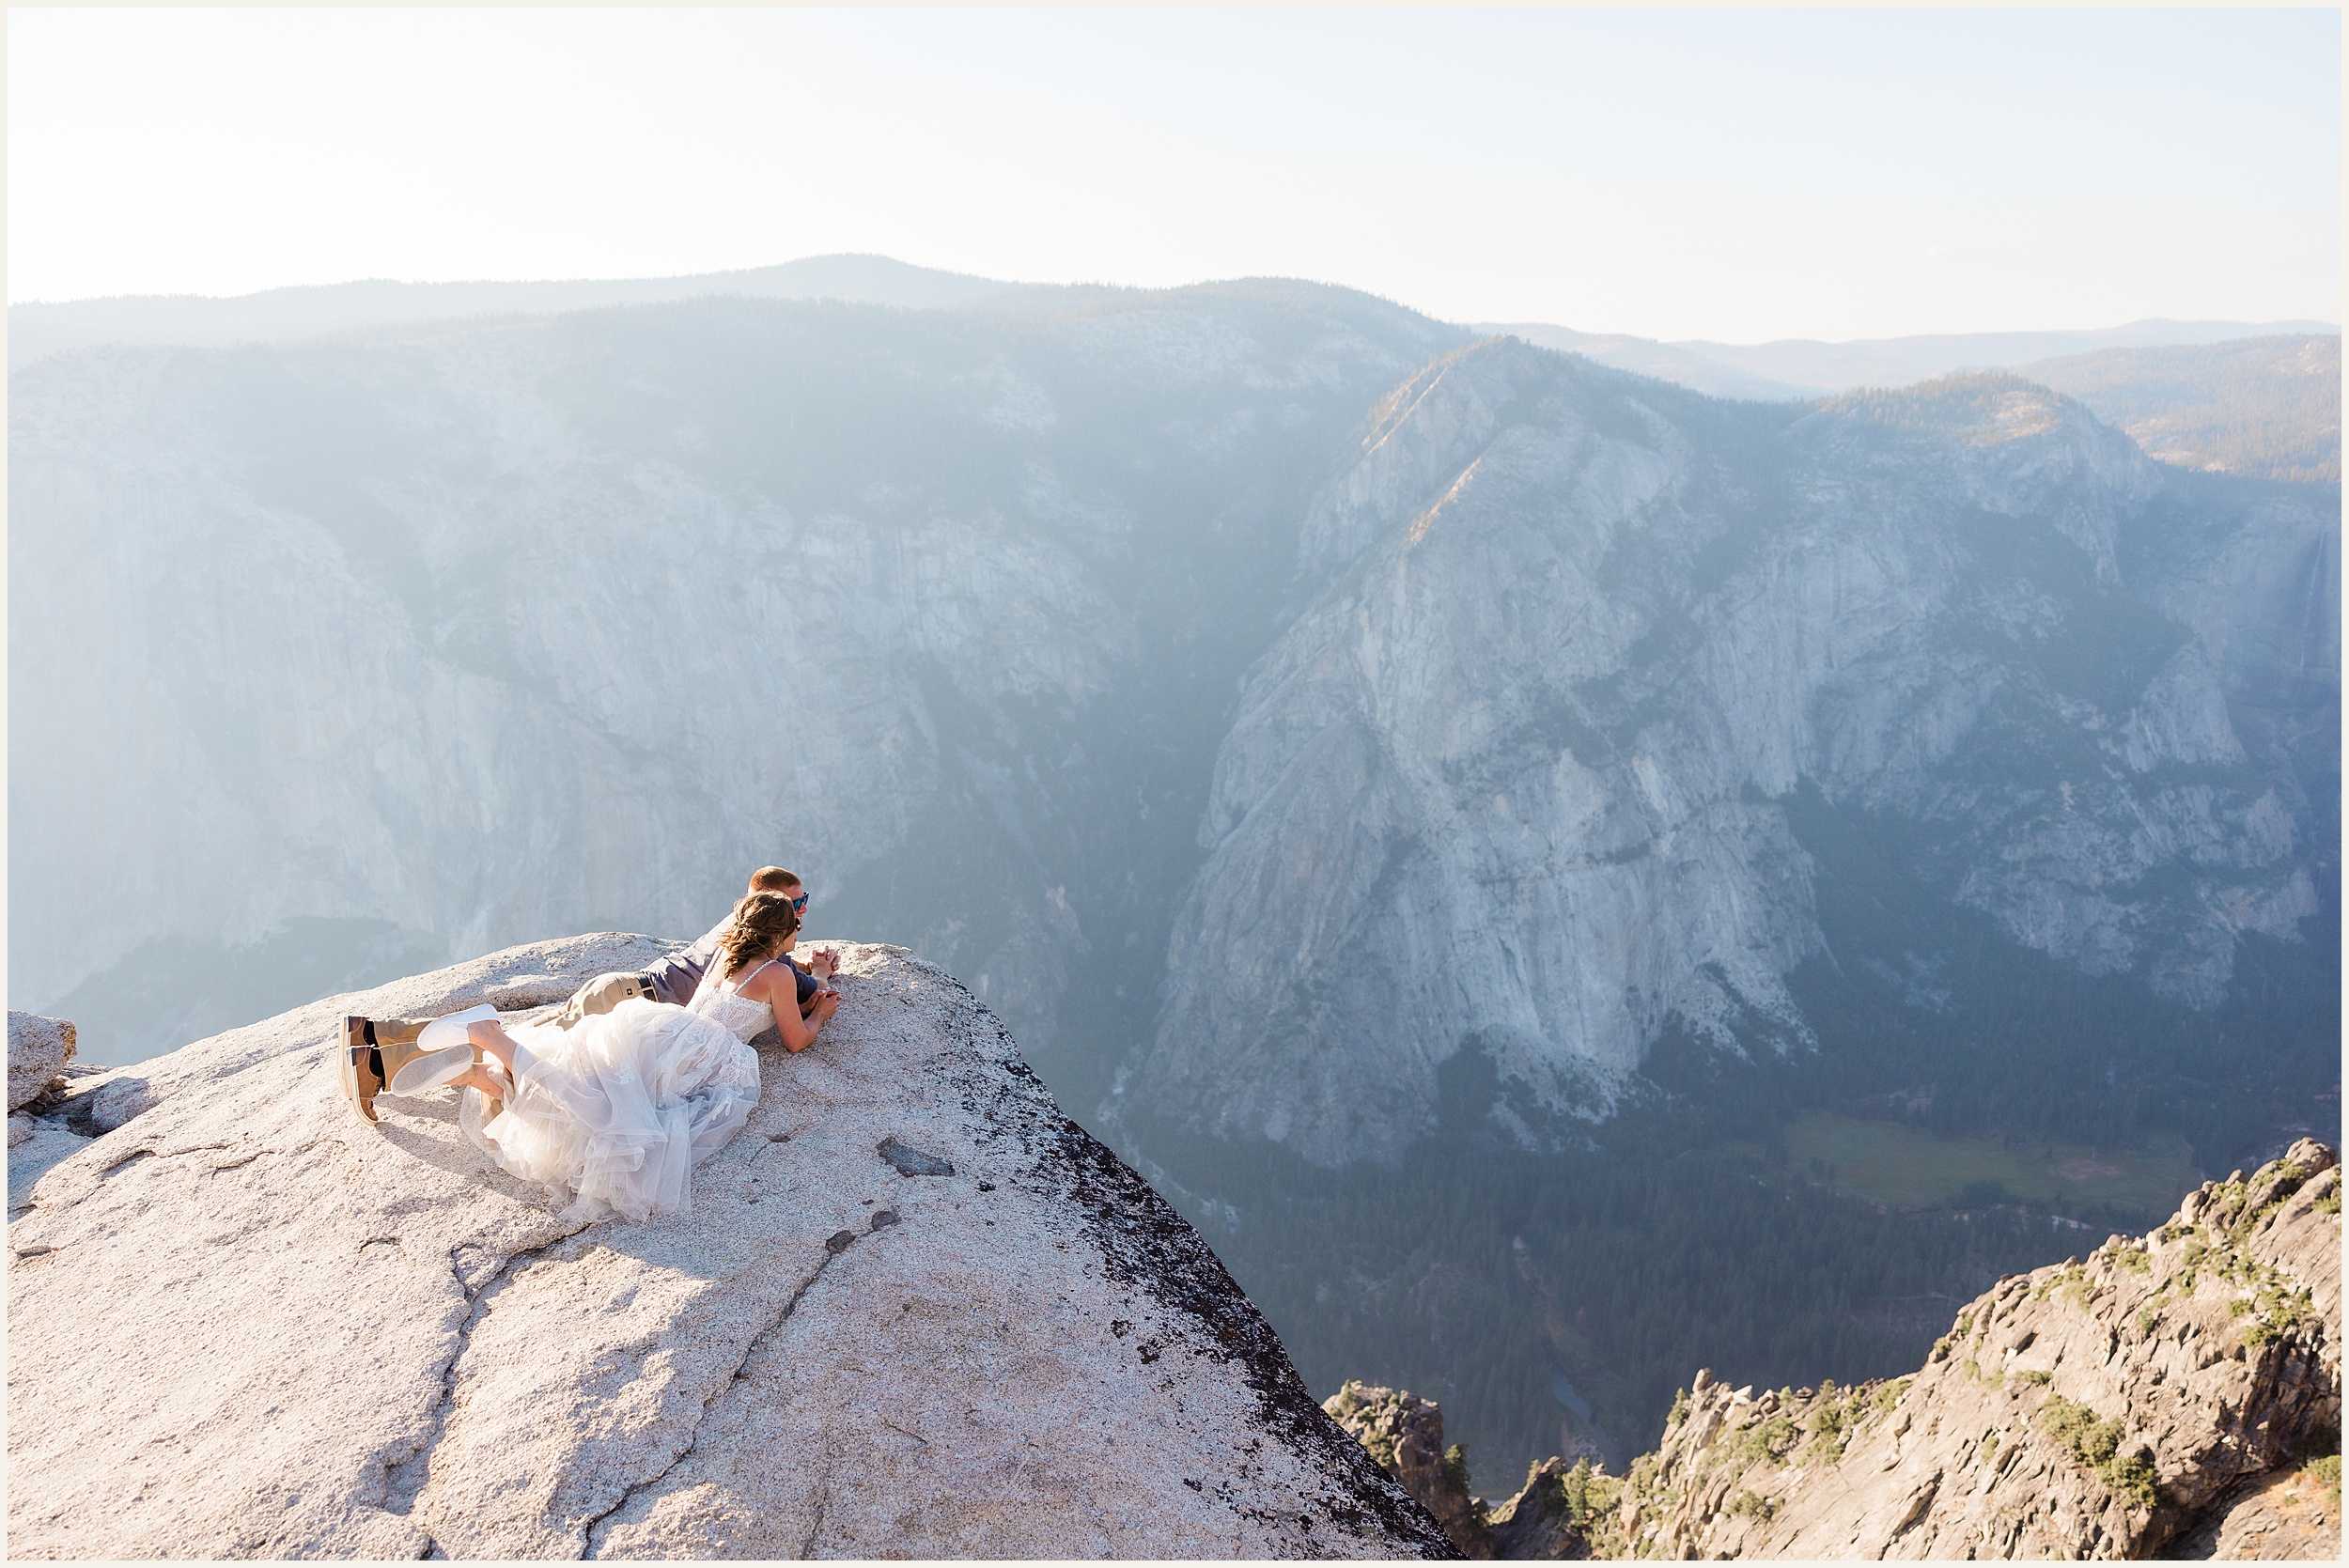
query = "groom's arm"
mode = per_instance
[{"x": 810, "y": 987}]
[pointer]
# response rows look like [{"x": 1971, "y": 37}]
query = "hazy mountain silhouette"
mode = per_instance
[
  {"x": 1793, "y": 368},
  {"x": 1666, "y": 362},
  {"x": 343, "y": 310}
]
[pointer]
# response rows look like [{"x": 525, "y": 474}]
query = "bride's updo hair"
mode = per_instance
[{"x": 761, "y": 923}]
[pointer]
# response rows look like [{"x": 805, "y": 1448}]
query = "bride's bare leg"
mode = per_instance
[
  {"x": 491, "y": 1037},
  {"x": 479, "y": 1076}
]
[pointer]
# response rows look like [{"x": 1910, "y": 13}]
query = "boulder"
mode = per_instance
[
  {"x": 117, "y": 1100},
  {"x": 247, "y": 1323},
  {"x": 39, "y": 1049}
]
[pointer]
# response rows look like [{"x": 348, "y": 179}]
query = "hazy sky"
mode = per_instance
[{"x": 1739, "y": 175}]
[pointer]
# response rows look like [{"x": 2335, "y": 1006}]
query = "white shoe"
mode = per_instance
[{"x": 442, "y": 1052}]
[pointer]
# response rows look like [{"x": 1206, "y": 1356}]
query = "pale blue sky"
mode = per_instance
[{"x": 1738, "y": 175}]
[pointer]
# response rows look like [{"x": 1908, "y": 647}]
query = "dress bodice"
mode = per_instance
[{"x": 744, "y": 1019}]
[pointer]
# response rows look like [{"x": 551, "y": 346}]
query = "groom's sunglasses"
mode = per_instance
[{"x": 798, "y": 905}]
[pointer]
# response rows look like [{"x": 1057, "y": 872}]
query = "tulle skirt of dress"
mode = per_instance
[{"x": 618, "y": 1108}]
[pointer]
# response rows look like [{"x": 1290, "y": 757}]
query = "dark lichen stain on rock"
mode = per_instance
[{"x": 1146, "y": 1246}]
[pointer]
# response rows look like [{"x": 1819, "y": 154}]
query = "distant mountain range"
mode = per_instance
[
  {"x": 2229, "y": 397},
  {"x": 1794, "y": 370},
  {"x": 2269, "y": 413},
  {"x": 1787, "y": 370},
  {"x": 377, "y": 305}
]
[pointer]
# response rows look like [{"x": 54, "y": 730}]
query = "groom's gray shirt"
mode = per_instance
[{"x": 673, "y": 979}]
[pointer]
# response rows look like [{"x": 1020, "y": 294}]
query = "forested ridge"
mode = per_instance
[{"x": 2268, "y": 407}]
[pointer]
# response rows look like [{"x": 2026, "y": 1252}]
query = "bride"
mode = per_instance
[{"x": 618, "y": 1108}]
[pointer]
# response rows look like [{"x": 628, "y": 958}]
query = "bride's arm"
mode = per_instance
[{"x": 778, "y": 990}]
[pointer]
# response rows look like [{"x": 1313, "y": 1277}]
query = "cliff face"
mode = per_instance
[
  {"x": 1522, "y": 777},
  {"x": 244, "y": 1323},
  {"x": 371, "y": 656},
  {"x": 2163, "y": 1393}
]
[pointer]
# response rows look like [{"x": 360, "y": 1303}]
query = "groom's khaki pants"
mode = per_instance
[{"x": 600, "y": 995}]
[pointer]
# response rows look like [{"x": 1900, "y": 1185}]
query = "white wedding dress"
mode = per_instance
[{"x": 618, "y": 1108}]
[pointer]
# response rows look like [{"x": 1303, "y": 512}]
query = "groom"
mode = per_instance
[{"x": 672, "y": 980}]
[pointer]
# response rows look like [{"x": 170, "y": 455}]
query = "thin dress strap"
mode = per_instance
[
  {"x": 735, "y": 988},
  {"x": 713, "y": 977}
]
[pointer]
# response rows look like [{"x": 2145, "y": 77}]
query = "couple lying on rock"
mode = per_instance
[{"x": 637, "y": 1080}]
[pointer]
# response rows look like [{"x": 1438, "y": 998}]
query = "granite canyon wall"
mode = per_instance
[{"x": 1255, "y": 756}]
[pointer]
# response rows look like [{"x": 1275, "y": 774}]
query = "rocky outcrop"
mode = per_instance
[
  {"x": 39, "y": 1049},
  {"x": 1558, "y": 1514},
  {"x": 2289, "y": 1515},
  {"x": 2174, "y": 1395},
  {"x": 2115, "y": 1406},
  {"x": 93, "y": 1099},
  {"x": 245, "y": 1323},
  {"x": 1405, "y": 1434},
  {"x": 50, "y": 1128}
]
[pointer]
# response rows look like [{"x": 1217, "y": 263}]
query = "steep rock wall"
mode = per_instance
[
  {"x": 1517, "y": 779},
  {"x": 373, "y": 655}
]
